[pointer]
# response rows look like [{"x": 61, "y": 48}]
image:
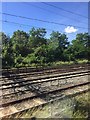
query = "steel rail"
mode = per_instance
[
  {"x": 43, "y": 94},
  {"x": 23, "y": 75},
  {"x": 37, "y": 80},
  {"x": 46, "y": 103},
  {"x": 39, "y": 69}
]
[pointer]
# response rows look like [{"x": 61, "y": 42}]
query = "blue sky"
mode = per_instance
[{"x": 42, "y": 11}]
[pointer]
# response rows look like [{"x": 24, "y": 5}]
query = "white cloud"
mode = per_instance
[{"x": 70, "y": 29}]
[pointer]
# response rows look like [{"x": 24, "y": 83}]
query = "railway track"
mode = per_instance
[
  {"x": 41, "y": 79},
  {"x": 25, "y": 97},
  {"x": 38, "y": 84},
  {"x": 24, "y": 106},
  {"x": 36, "y": 74},
  {"x": 41, "y": 88},
  {"x": 13, "y": 77},
  {"x": 24, "y": 72},
  {"x": 30, "y": 69}
]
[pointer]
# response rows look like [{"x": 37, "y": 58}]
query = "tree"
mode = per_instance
[
  {"x": 80, "y": 46},
  {"x": 4, "y": 39},
  {"x": 60, "y": 43},
  {"x": 34, "y": 49},
  {"x": 19, "y": 42},
  {"x": 37, "y": 37},
  {"x": 7, "y": 57}
]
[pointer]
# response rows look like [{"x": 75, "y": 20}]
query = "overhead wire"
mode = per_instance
[
  {"x": 52, "y": 12},
  {"x": 45, "y": 21},
  {"x": 26, "y": 25},
  {"x": 64, "y": 10}
]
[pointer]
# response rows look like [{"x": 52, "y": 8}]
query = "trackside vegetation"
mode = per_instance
[{"x": 34, "y": 49}]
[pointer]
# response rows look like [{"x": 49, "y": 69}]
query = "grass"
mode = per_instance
[
  {"x": 52, "y": 64},
  {"x": 79, "y": 111},
  {"x": 82, "y": 106}
]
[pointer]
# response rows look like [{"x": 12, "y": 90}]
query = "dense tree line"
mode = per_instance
[{"x": 25, "y": 49}]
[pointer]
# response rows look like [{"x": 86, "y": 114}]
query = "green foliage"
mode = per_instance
[
  {"x": 19, "y": 43},
  {"x": 4, "y": 39},
  {"x": 33, "y": 49},
  {"x": 59, "y": 43},
  {"x": 82, "y": 104},
  {"x": 36, "y": 38},
  {"x": 80, "y": 46}
]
